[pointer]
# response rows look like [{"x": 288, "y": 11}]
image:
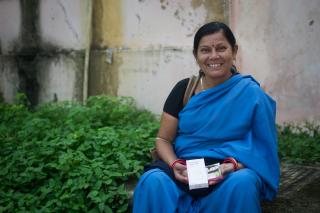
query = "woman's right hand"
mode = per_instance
[{"x": 180, "y": 172}]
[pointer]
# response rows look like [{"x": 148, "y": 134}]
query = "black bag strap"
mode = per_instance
[{"x": 191, "y": 87}]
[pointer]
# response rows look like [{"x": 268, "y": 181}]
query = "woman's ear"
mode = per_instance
[
  {"x": 194, "y": 54},
  {"x": 234, "y": 51}
]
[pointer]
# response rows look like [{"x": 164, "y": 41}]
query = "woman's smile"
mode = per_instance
[{"x": 215, "y": 66}]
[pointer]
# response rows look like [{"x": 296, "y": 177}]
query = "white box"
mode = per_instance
[{"x": 197, "y": 174}]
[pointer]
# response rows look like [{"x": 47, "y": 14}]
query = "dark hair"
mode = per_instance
[{"x": 211, "y": 28}]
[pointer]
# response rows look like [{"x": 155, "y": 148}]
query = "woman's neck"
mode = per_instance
[{"x": 207, "y": 82}]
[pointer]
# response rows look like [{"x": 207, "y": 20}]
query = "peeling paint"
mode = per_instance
[
  {"x": 164, "y": 4},
  {"x": 109, "y": 54}
]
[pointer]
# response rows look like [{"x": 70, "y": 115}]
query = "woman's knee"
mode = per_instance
[
  {"x": 154, "y": 179},
  {"x": 152, "y": 184},
  {"x": 154, "y": 176},
  {"x": 245, "y": 179}
]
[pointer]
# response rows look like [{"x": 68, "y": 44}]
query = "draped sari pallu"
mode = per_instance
[{"x": 234, "y": 119}]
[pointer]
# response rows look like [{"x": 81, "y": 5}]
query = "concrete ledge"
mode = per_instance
[{"x": 299, "y": 190}]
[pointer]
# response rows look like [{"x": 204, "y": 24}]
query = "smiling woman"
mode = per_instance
[{"x": 229, "y": 121}]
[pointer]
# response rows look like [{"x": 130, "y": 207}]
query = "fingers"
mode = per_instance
[
  {"x": 215, "y": 181},
  {"x": 181, "y": 178},
  {"x": 180, "y": 172},
  {"x": 226, "y": 168}
]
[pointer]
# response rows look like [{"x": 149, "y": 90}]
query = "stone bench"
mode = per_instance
[{"x": 299, "y": 190}]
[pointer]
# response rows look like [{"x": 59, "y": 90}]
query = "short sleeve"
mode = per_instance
[{"x": 174, "y": 102}]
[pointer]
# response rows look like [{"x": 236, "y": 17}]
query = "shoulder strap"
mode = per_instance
[{"x": 191, "y": 87}]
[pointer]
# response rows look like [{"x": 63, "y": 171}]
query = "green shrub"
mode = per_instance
[
  {"x": 299, "y": 143},
  {"x": 68, "y": 157}
]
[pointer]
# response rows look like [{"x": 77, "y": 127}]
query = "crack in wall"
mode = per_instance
[{"x": 66, "y": 19}]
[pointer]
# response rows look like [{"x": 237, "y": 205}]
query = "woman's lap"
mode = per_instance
[
  {"x": 238, "y": 192},
  {"x": 156, "y": 192}
]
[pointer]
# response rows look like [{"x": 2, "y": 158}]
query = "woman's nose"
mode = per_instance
[{"x": 214, "y": 54}]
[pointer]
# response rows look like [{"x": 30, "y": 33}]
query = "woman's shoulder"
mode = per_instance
[
  {"x": 182, "y": 84},
  {"x": 174, "y": 102},
  {"x": 256, "y": 91}
]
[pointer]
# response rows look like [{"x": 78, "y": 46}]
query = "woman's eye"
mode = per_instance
[
  {"x": 220, "y": 49},
  {"x": 204, "y": 50}
]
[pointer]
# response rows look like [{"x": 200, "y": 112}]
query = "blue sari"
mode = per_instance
[{"x": 234, "y": 119}]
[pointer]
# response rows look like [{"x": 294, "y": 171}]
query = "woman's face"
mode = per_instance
[{"x": 215, "y": 57}]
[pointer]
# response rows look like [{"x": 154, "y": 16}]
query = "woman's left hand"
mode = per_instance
[{"x": 225, "y": 168}]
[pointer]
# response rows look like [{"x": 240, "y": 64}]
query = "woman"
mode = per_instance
[{"x": 228, "y": 117}]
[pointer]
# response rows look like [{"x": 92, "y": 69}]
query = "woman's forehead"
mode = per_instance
[{"x": 214, "y": 38}]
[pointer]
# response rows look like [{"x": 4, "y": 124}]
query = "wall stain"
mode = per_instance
[
  {"x": 104, "y": 77},
  {"x": 29, "y": 52},
  {"x": 196, "y": 3},
  {"x": 97, "y": 24},
  {"x": 138, "y": 17},
  {"x": 107, "y": 24},
  {"x": 107, "y": 34},
  {"x": 215, "y": 10},
  {"x": 311, "y": 22},
  {"x": 30, "y": 47},
  {"x": 164, "y": 4}
]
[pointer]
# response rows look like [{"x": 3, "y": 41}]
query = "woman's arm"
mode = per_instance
[{"x": 167, "y": 133}]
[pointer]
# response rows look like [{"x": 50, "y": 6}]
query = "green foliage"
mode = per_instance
[
  {"x": 299, "y": 143},
  {"x": 68, "y": 157}
]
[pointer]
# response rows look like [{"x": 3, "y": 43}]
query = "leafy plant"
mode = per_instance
[
  {"x": 299, "y": 143},
  {"x": 68, "y": 157}
]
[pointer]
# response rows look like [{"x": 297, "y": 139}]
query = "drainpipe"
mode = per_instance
[{"x": 87, "y": 52}]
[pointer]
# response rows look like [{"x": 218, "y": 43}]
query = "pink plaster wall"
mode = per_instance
[{"x": 279, "y": 45}]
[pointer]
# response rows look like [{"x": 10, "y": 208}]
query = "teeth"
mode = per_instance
[{"x": 214, "y": 65}]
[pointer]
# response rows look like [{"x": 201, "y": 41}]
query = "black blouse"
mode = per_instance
[{"x": 174, "y": 102}]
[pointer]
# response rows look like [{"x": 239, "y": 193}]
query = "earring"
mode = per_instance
[{"x": 201, "y": 73}]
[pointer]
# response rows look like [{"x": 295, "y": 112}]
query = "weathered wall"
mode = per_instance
[
  {"x": 42, "y": 49},
  {"x": 142, "y": 48},
  {"x": 279, "y": 45}
]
